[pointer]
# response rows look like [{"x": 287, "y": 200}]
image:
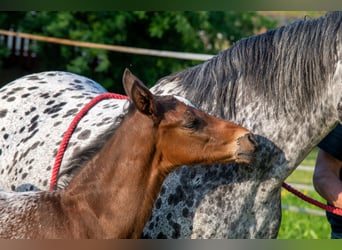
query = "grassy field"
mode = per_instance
[{"x": 297, "y": 225}]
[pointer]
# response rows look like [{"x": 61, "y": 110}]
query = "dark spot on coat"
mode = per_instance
[
  {"x": 77, "y": 96},
  {"x": 50, "y": 102},
  {"x": 162, "y": 190},
  {"x": 21, "y": 130},
  {"x": 33, "y": 126},
  {"x": 33, "y": 78},
  {"x": 57, "y": 123},
  {"x": 158, "y": 203},
  {"x": 176, "y": 227},
  {"x": 11, "y": 99},
  {"x": 151, "y": 226},
  {"x": 54, "y": 108},
  {"x": 31, "y": 110},
  {"x": 3, "y": 113},
  {"x": 55, "y": 151},
  {"x": 185, "y": 212},
  {"x": 70, "y": 112},
  {"x": 17, "y": 89},
  {"x": 176, "y": 197},
  {"x": 45, "y": 95},
  {"x": 32, "y": 88},
  {"x": 161, "y": 236},
  {"x": 35, "y": 145},
  {"x": 24, "y": 176},
  {"x": 78, "y": 129},
  {"x": 35, "y": 118},
  {"x": 84, "y": 134},
  {"x": 57, "y": 94}
]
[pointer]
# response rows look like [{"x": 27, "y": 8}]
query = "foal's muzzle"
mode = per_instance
[{"x": 247, "y": 147}]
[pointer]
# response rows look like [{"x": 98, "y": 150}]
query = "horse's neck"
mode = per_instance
[{"x": 120, "y": 183}]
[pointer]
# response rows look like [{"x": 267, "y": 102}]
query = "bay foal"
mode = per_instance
[{"x": 113, "y": 194}]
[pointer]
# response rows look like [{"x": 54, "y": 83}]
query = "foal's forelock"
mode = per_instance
[
  {"x": 289, "y": 68},
  {"x": 185, "y": 101}
]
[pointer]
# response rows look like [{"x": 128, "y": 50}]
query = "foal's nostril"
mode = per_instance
[
  {"x": 248, "y": 142},
  {"x": 247, "y": 147},
  {"x": 252, "y": 140}
]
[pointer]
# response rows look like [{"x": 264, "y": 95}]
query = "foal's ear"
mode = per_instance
[{"x": 139, "y": 93}]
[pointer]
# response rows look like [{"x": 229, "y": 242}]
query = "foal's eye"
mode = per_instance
[{"x": 192, "y": 122}]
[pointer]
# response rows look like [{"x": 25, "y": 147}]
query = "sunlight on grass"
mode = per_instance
[
  {"x": 311, "y": 158},
  {"x": 304, "y": 177}
]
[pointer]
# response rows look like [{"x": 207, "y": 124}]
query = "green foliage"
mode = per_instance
[{"x": 189, "y": 31}]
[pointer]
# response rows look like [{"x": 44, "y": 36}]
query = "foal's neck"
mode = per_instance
[{"x": 119, "y": 185}]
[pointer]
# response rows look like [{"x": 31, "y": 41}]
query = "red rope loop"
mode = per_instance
[
  {"x": 93, "y": 102},
  {"x": 70, "y": 130}
]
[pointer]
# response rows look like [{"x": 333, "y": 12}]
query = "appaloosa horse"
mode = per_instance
[
  {"x": 284, "y": 85},
  {"x": 113, "y": 193}
]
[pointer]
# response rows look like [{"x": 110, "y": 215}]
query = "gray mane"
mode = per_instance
[{"x": 287, "y": 67}]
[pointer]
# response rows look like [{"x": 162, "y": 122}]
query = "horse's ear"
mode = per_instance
[{"x": 139, "y": 93}]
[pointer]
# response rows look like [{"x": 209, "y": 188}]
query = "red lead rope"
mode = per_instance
[
  {"x": 70, "y": 130},
  {"x": 93, "y": 102},
  {"x": 327, "y": 208}
]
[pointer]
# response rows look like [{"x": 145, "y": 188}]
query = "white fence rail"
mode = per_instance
[
  {"x": 303, "y": 210},
  {"x": 305, "y": 168},
  {"x": 117, "y": 48}
]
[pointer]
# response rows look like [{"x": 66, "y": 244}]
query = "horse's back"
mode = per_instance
[{"x": 35, "y": 112}]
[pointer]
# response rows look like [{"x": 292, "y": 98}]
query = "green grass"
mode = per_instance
[
  {"x": 310, "y": 160},
  {"x": 296, "y": 225}
]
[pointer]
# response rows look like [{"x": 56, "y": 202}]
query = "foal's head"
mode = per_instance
[{"x": 184, "y": 135}]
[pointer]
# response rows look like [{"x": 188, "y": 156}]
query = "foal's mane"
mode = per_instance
[
  {"x": 86, "y": 154},
  {"x": 288, "y": 67}
]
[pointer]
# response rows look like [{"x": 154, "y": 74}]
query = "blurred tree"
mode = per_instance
[{"x": 197, "y": 32}]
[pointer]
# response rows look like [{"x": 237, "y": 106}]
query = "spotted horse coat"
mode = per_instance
[{"x": 35, "y": 112}]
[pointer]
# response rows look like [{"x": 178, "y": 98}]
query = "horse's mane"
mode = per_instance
[{"x": 288, "y": 67}]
